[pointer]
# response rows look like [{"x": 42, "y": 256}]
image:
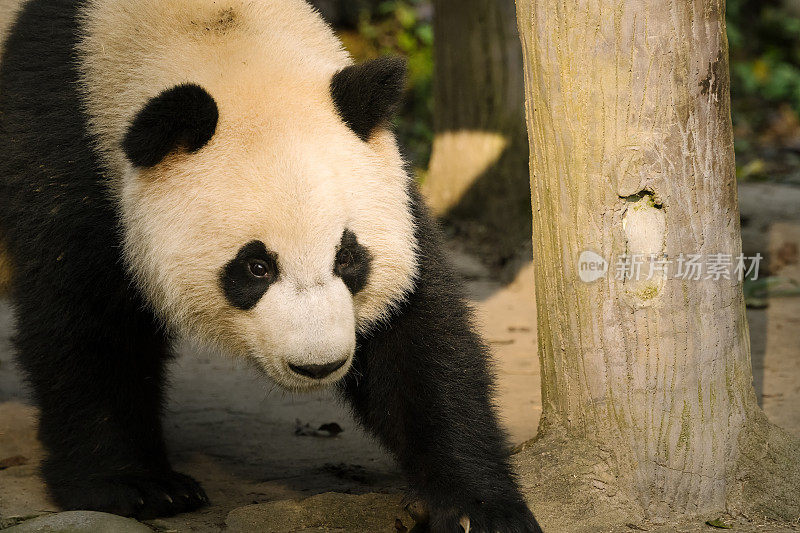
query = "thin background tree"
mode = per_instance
[{"x": 478, "y": 175}]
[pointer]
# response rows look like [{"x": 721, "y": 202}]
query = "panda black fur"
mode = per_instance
[{"x": 96, "y": 318}]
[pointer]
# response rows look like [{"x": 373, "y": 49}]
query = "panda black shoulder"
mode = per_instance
[
  {"x": 438, "y": 295},
  {"x": 55, "y": 204}
]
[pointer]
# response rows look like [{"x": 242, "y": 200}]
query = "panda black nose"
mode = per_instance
[{"x": 317, "y": 371}]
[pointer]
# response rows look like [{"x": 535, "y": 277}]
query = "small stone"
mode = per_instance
[
  {"x": 343, "y": 513},
  {"x": 79, "y": 522}
]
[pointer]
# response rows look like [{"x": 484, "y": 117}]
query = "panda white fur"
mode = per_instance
[{"x": 220, "y": 169}]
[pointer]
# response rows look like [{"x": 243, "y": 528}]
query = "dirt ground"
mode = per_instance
[{"x": 237, "y": 435}]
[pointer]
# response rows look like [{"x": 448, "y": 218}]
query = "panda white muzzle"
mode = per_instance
[{"x": 309, "y": 331}]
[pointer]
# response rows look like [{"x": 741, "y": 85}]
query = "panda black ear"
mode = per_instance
[
  {"x": 185, "y": 116},
  {"x": 367, "y": 95}
]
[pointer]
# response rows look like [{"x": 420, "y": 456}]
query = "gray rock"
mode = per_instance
[
  {"x": 79, "y": 522},
  {"x": 332, "y": 512}
]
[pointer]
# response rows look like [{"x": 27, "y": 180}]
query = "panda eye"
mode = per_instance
[
  {"x": 352, "y": 262},
  {"x": 246, "y": 278},
  {"x": 258, "y": 268},
  {"x": 344, "y": 258}
]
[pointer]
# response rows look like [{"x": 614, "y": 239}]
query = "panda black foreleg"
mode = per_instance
[
  {"x": 97, "y": 377},
  {"x": 422, "y": 384},
  {"x": 423, "y": 388}
]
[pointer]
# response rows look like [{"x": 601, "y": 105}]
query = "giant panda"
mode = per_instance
[{"x": 221, "y": 170}]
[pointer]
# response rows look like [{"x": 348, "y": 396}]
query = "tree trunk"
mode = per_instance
[
  {"x": 5, "y": 270},
  {"x": 793, "y": 6},
  {"x": 648, "y": 405},
  {"x": 478, "y": 176}
]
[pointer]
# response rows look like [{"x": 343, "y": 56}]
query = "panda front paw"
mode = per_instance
[
  {"x": 480, "y": 517},
  {"x": 143, "y": 495}
]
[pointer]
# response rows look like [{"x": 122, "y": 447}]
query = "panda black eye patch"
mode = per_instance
[
  {"x": 246, "y": 278},
  {"x": 352, "y": 263}
]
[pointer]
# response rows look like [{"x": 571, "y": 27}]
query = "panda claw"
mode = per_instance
[
  {"x": 142, "y": 495},
  {"x": 499, "y": 517}
]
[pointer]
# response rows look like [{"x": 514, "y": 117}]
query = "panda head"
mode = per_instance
[{"x": 275, "y": 225}]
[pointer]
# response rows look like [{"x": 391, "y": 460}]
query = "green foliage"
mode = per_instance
[
  {"x": 764, "y": 37},
  {"x": 718, "y": 524},
  {"x": 757, "y": 292},
  {"x": 403, "y": 27},
  {"x": 765, "y": 51}
]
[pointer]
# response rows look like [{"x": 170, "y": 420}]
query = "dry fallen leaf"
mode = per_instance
[
  {"x": 17, "y": 460},
  {"x": 329, "y": 430}
]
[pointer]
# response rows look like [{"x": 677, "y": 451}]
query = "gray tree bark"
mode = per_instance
[
  {"x": 648, "y": 405},
  {"x": 478, "y": 177}
]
